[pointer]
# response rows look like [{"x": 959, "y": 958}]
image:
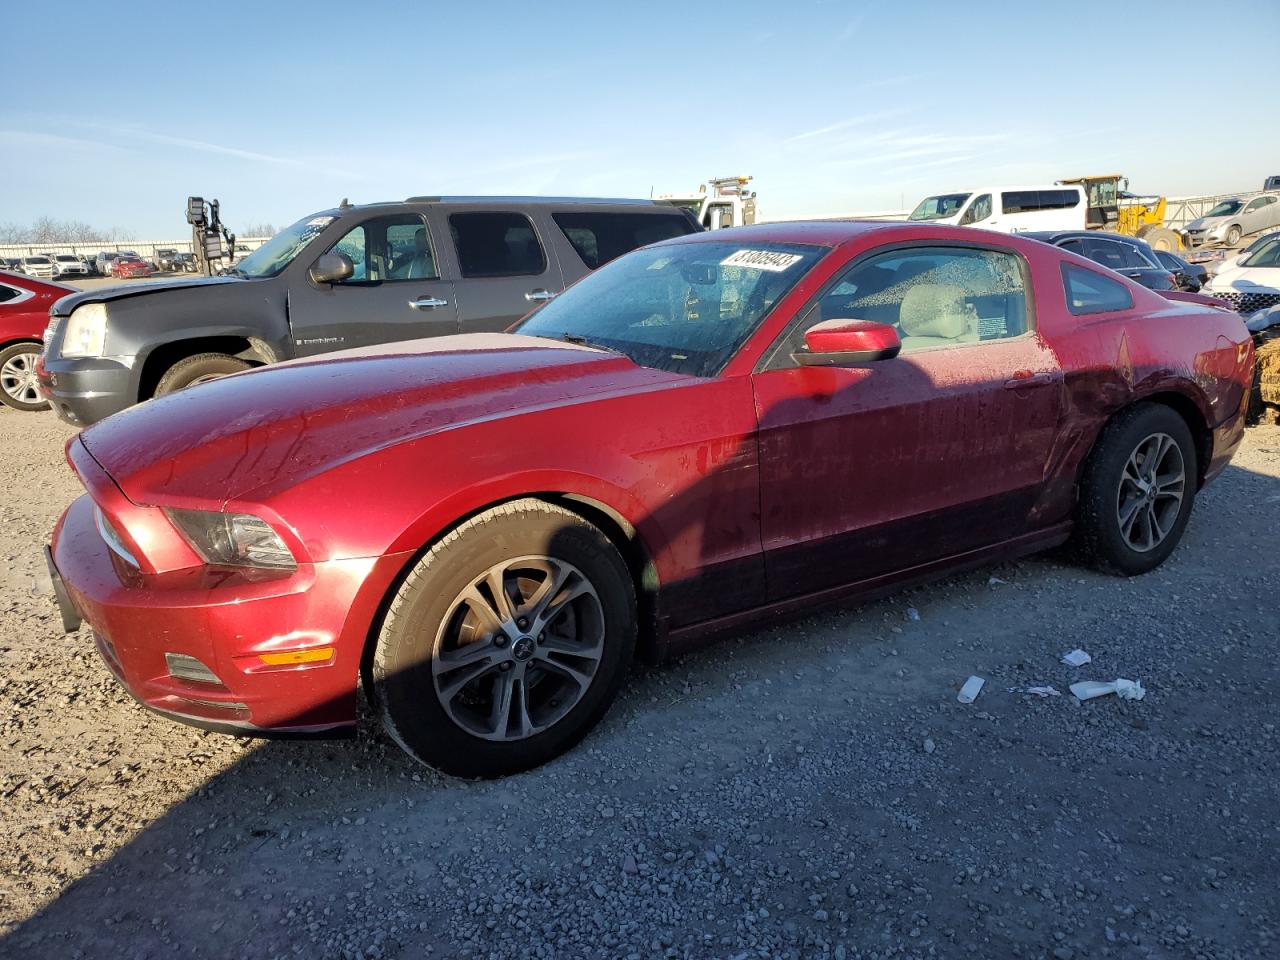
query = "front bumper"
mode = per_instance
[
  {"x": 86, "y": 389},
  {"x": 227, "y": 620}
]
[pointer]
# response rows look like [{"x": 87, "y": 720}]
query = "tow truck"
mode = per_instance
[{"x": 727, "y": 204}]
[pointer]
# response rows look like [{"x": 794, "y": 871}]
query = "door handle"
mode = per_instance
[
  {"x": 428, "y": 303},
  {"x": 1025, "y": 378},
  {"x": 539, "y": 296}
]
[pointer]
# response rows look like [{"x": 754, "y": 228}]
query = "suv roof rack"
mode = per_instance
[{"x": 501, "y": 199}]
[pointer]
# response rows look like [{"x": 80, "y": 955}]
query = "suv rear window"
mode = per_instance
[
  {"x": 496, "y": 245},
  {"x": 601, "y": 237}
]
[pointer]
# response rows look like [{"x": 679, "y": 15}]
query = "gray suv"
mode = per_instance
[{"x": 353, "y": 276}]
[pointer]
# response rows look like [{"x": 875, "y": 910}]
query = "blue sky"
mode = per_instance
[{"x": 112, "y": 116}]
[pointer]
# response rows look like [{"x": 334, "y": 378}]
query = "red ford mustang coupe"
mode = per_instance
[{"x": 485, "y": 528}]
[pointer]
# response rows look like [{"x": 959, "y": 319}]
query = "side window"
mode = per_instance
[
  {"x": 1256, "y": 204},
  {"x": 978, "y": 211},
  {"x": 1089, "y": 292},
  {"x": 1170, "y": 262},
  {"x": 935, "y": 296},
  {"x": 1019, "y": 201},
  {"x": 600, "y": 237},
  {"x": 1114, "y": 255},
  {"x": 355, "y": 247},
  {"x": 7, "y": 293},
  {"x": 496, "y": 244},
  {"x": 388, "y": 249}
]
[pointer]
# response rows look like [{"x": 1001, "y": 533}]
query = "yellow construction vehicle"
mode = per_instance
[{"x": 1112, "y": 207}]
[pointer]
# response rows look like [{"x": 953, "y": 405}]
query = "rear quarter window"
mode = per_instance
[
  {"x": 600, "y": 237},
  {"x": 1088, "y": 292}
]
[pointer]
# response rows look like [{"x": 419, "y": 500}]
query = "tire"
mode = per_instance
[
  {"x": 1159, "y": 238},
  {"x": 444, "y": 711},
  {"x": 198, "y": 369},
  {"x": 17, "y": 377},
  {"x": 1233, "y": 236},
  {"x": 1109, "y": 495}
]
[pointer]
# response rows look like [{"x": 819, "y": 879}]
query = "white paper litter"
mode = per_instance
[
  {"x": 994, "y": 581},
  {"x": 1076, "y": 658},
  {"x": 969, "y": 692},
  {"x": 1124, "y": 689},
  {"x": 913, "y": 613}
]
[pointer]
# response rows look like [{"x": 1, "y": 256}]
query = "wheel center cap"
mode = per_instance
[{"x": 523, "y": 648}]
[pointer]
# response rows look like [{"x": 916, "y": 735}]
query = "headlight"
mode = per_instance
[
  {"x": 233, "y": 539},
  {"x": 86, "y": 333}
]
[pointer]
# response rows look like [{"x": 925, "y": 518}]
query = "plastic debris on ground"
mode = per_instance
[
  {"x": 1122, "y": 688},
  {"x": 969, "y": 692},
  {"x": 929, "y": 745},
  {"x": 1041, "y": 692},
  {"x": 913, "y": 613},
  {"x": 996, "y": 581},
  {"x": 1076, "y": 658}
]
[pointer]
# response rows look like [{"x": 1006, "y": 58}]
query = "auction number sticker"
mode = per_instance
[{"x": 769, "y": 260}]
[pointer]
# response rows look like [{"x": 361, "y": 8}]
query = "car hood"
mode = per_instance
[
  {"x": 1246, "y": 278},
  {"x": 64, "y": 306},
  {"x": 274, "y": 427},
  {"x": 1207, "y": 223}
]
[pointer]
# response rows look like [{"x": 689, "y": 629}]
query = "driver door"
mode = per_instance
[
  {"x": 395, "y": 293},
  {"x": 877, "y": 467}
]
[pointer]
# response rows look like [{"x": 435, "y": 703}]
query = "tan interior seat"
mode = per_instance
[{"x": 934, "y": 314}]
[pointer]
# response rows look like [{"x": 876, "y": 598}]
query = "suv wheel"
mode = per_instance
[
  {"x": 18, "y": 377},
  {"x": 1137, "y": 490},
  {"x": 201, "y": 368},
  {"x": 506, "y": 643}
]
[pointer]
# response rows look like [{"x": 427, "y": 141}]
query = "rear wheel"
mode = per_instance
[
  {"x": 1137, "y": 490},
  {"x": 506, "y": 643},
  {"x": 198, "y": 369},
  {"x": 18, "y": 377}
]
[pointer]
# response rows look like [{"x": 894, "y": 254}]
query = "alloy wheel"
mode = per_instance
[
  {"x": 518, "y": 648},
  {"x": 1151, "y": 490},
  {"x": 18, "y": 377}
]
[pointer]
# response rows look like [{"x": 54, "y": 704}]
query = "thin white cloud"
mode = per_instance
[
  {"x": 33, "y": 138},
  {"x": 127, "y": 131},
  {"x": 846, "y": 124}
]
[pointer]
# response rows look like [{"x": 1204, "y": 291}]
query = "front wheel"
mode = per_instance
[
  {"x": 506, "y": 643},
  {"x": 201, "y": 368},
  {"x": 1233, "y": 236},
  {"x": 1136, "y": 492},
  {"x": 18, "y": 377}
]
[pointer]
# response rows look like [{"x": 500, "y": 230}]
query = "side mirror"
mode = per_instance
[
  {"x": 835, "y": 343},
  {"x": 332, "y": 268}
]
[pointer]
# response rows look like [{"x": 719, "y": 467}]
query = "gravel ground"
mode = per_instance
[{"x": 808, "y": 790}]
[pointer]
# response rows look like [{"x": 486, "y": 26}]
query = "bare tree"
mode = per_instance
[
  {"x": 258, "y": 230},
  {"x": 48, "y": 230}
]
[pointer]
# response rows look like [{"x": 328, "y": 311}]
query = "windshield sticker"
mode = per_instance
[
  {"x": 319, "y": 221},
  {"x": 761, "y": 260}
]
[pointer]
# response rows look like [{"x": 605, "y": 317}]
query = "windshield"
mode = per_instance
[
  {"x": 684, "y": 308},
  {"x": 278, "y": 252},
  {"x": 64, "y": 258},
  {"x": 1225, "y": 209},
  {"x": 37, "y": 259},
  {"x": 1267, "y": 255},
  {"x": 940, "y": 207}
]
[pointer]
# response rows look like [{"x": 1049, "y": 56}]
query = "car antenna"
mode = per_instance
[{"x": 345, "y": 204}]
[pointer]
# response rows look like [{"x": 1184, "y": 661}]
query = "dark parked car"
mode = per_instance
[
  {"x": 1128, "y": 256},
  {"x": 348, "y": 277},
  {"x": 163, "y": 259},
  {"x": 705, "y": 432},
  {"x": 1187, "y": 276}
]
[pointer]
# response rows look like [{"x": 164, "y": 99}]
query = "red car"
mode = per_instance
[
  {"x": 24, "y": 313},
  {"x": 125, "y": 266},
  {"x": 743, "y": 422}
]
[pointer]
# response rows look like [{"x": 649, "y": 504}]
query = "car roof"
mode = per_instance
[{"x": 629, "y": 201}]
